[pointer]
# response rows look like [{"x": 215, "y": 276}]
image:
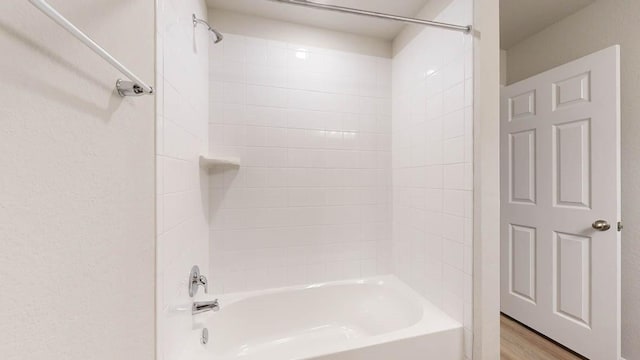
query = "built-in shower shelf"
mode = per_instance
[{"x": 208, "y": 162}]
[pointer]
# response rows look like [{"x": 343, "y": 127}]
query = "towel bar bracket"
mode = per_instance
[{"x": 129, "y": 88}]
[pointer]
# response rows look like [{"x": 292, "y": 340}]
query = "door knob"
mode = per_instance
[{"x": 601, "y": 225}]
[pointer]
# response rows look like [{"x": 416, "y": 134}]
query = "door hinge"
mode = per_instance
[{"x": 620, "y": 226}]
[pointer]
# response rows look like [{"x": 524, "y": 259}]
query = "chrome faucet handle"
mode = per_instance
[
  {"x": 204, "y": 282},
  {"x": 196, "y": 280}
]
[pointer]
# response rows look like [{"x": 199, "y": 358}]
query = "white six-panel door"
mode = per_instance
[{"x": 560, "y": 173}]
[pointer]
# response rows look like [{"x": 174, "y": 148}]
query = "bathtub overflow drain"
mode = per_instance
[{"x": 205, "y": 336}]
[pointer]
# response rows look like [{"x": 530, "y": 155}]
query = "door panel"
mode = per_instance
[
  {"x": 572, "y": 277},
  {"x": 522, "y": 106},
  {"x": 571, "y": 91},
  {"x": 560, "y": 172},
  {"x": 523, "y": 263},
  {"x": 572, "y": 160},
  {"x": 522, "y": 160}
]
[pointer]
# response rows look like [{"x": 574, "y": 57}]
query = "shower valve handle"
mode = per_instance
[
  {"x": 196, "y": 280},
  {"x": 203, "y": 281}
]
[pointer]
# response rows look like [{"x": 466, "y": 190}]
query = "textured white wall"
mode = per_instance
[
  {"x": 310, "y": 202},
  {"x": 76, "y": 185},
  {"x": 182, "y": 188},
  {"x": 432, "y": 157},
  {"x": 605, "y": 23}
]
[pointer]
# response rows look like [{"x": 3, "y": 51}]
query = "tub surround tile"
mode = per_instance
[
  {"x": 432, "y": 154},
  {"x": 312, "y": 128}
]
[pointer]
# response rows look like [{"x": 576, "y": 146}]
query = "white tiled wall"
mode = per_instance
[
  {"x": 432, "y": 166},
  {"x": 311, "y": 200},
  {"x": 182, "y": 93}
]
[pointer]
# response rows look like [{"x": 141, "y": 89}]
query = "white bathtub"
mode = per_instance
[{"x": 371, "y": 319}]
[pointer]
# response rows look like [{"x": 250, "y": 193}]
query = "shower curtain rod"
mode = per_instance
[{"x": 346, "y": 10}]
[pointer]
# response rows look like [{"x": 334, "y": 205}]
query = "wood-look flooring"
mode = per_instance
[{"x": 517, "y": 342}]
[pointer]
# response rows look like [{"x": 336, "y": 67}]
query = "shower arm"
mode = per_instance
[{"x": 219, "y": 36}]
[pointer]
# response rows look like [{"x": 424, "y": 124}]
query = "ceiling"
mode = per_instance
[
  {"x": 362, "y": 25},
  {"x": 520, "y": 19}
]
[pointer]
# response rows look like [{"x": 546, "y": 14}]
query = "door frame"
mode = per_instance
[{"x": 486, "y": 183}]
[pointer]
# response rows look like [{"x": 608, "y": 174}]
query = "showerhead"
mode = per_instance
[{"x": 218, "y": 35}]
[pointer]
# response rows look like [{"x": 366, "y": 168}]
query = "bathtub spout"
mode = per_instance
[{"x": 204, "y": 306}]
